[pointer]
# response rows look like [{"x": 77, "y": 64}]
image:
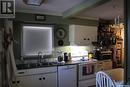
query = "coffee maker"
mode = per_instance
[{"x": 97, "y": 54}]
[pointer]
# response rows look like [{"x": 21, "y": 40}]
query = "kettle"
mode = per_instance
[{"x": 66, "y": 59}]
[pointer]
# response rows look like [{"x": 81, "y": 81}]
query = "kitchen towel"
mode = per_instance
[{"x": 89, "y": 68}]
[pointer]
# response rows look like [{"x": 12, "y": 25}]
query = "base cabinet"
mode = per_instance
[
  {"x": 39, "y": 77},
  {"x": 50, "y": 80},
  {"x": 28, "y": 81},
  {"x": 43, "y": 80},
  {"x": 37, "y": 81}
]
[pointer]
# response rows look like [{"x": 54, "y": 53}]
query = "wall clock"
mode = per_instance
[{"x": 61, "y": 33}]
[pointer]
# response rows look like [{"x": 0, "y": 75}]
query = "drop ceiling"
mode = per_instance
[{"x": 107, "y": 10}]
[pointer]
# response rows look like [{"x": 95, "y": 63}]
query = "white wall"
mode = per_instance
[{"x": 0, "y": 58}]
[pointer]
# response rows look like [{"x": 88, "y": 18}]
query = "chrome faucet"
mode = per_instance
[{"x": 39, "y": 56}]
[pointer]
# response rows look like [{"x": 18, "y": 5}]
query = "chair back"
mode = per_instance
[{"x": 103, "y": 80}]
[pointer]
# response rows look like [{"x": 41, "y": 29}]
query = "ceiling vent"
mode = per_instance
[{"x": 33, "y": 2}]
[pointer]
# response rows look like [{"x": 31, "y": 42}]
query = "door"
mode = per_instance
[
  {"x": 29, "y": 81},
  {"x": 67, "y": 76},
  {"x": 85, "y": 35},
  {"x": 82, "y": 35},
  {"x": 0, "y": 59},
  {"x": 50, "y": 80},
  {"x": 86, "y": 71}
]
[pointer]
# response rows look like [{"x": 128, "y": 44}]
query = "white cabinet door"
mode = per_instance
[
  {"x": 40, "y": 77},
  {"x": 44, "y": 80},
  {"x": 50, "y": 80},
  {"x": 82, "y": 35},
  {"x": 29, "y": 81},
  {"x": 67, "y": 76}
]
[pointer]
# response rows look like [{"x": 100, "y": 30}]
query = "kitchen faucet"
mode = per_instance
[{"x": 39, "y": 56}]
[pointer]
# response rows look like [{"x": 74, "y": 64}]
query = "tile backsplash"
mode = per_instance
[{"x": 74, "y": 50}]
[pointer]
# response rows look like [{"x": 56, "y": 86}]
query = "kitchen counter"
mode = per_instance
[{"x": 50, "y": 64}]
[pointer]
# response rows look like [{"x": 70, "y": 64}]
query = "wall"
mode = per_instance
[
  {"x": 127, "y": 41},
  {"x": 54, "y": 19},
  {"x": 57, "y": 21},
  {"x": 1, "y": 25}
]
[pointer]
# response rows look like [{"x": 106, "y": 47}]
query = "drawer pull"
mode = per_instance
[
  {"x": 43, "y": 78},
  {"x": 18, "y": 81},
  {"x": 13, "y": 82},
  {"x": 40, "y": 78}
]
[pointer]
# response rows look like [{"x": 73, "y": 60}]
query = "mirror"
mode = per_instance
[{"x": 36, "y": 39}]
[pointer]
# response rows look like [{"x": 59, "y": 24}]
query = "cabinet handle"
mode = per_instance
[
  {"x": 13, "y": 82},
  {"x": 92, "y": 86},
  {"x": 88, "y": 39},
  {"x": 18, "y": 81},
  {"x": 40, "y": 78},
  {"x": 43, "y": 78},
  {"x": 68, "y": 68},
  {"x": 84, "y": 38}
]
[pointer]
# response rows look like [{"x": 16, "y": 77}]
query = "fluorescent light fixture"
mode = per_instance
[{"x": 33, "y": 2}]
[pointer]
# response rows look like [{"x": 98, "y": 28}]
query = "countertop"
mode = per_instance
[{"x": 51, "y": 64}]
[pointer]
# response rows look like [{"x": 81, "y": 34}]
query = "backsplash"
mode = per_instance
[{"x": 76, "y": 51}]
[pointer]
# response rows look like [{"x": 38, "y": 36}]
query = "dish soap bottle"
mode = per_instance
[{"x": 90, "y": 55}]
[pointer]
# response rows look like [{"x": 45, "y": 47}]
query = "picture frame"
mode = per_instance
[{"x": 39, "y": 17}]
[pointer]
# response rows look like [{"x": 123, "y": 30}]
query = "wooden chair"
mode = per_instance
[{"x": 103, "y": 80}]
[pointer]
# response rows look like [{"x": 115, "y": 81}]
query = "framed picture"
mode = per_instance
[{"x": 39, "y": 17}]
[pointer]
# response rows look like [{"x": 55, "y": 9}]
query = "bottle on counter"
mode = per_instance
[
  {"x": 90, "y": 55},
  {"x": 66, "y": 57},
  {"x": 69, "y": 56}
]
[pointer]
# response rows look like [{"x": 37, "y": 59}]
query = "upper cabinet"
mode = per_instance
[{"x": 82, "y": 35}]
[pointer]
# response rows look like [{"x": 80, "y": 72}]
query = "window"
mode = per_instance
[{"x": 36, "y": 39}]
